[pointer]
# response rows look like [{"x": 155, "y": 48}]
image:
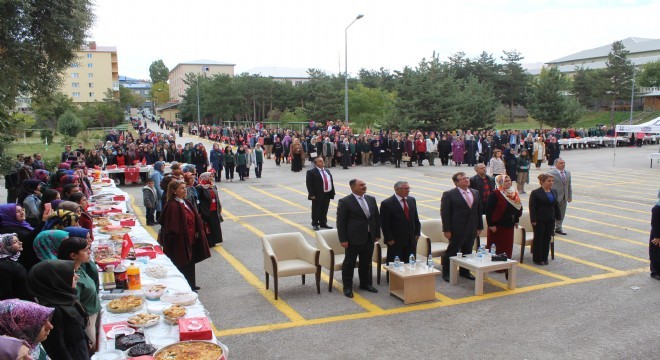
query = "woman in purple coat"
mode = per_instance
[
  {"x": 458, "y": 150},
  {"x": 409, "y": 148}
]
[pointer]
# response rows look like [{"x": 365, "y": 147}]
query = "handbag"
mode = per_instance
[
  {"x": 312, "y": 154},
  {"x": 405, "y": 157}
]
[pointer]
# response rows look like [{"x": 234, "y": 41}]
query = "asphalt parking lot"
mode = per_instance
[{"x": 594, "y": 301}]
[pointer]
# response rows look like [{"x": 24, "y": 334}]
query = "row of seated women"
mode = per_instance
[{"x": 49, "y": 301}]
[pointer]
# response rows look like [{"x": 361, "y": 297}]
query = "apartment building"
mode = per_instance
[
  {"x": 94, "y": 72},
  {"x": 177, "y": 76}
]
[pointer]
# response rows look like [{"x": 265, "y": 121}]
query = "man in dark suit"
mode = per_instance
[
  {"x": 358, "y": 228},
  {"x": 320, "y": 189},
  {"x": 483, "y": 183},
  {"x": 400, "y": 223},
  {"x": 460, "y": 210}
]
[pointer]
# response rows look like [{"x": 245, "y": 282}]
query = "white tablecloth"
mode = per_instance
[{"x": 161, "y": 334}]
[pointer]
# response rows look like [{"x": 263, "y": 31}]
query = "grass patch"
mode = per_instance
[{"x": 32, "y": 144}]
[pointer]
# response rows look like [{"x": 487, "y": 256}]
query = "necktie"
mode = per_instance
[
  {"x": 325, "y": 181},
  {"x": 406, "y": 211},
  {"x": 365, "y": 207},
  {"x": 563, "y": 176},
  {"x": 468, "y": 199}
]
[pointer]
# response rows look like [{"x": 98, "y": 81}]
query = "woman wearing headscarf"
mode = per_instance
[
  {"x": 458, "y": 150},
  {"x": 13, "y": 275},
  {"x": 60, "y": 219},
  {"x": 29, "y": 322},
  {"x": 47, "y": 243},
  {"x": 241, "y": 162},
  {"x": 297, "y": 153},
  {"x": 503, "y": 210},
  {"x": 85, "y": 218},
  {"x": 654, "y": 243},
  {"x": 182, "y": 232},
  {"x": 70, "y": 206},
  {"x": 42, "y": 175},
  {"x": 29, "y": 198},
  {"x": 76, "y": 248},
  {"x": 217, "y": 159},
  {"x": 53, "y": 283},
  {"x": 538, "y": 153},
  {"x": 522, "y": 171},
  {"x": 229, "y": 161},
  {"x": 210, "y": 208},
  {"x": 191, "y": 191},
  {"x": 12, "y": 220}
]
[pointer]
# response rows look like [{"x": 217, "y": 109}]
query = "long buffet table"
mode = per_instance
[{"x": 162, "y": 333}]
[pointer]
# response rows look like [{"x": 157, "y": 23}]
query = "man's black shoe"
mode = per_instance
[
  {"x": 445, "y": 278},
  {"x": 369, "y": 288},
  {"x": 656, "y": 276},
  {"x": 468, "y": 276},
  {"x": 316, "y": 228},
  {"x": 560, "y": 232},
  {"x": 348, "y": 293},
  {"x": 325, "y": 226}
]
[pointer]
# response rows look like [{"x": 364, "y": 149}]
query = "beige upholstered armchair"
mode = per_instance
[
  {"x": 380, "y": 257},
  {"x": 289, "y": 254},
  {"x": 332, "y": 253},
  {"x": 524, "y": 236},
  {"x": 432, "y": 240}
]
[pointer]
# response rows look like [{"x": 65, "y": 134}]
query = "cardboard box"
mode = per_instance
[
  {"x": 146, "y": 251},
  {"x": 197, "y": 328}
]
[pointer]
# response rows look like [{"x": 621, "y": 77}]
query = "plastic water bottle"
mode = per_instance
[
  {"x": 480, "y": 253},
  {"x": 493, "y": 250},
  {"x": 397, "y": 261},
  {"x": 411, "y": 262},
  {"x": 429, "y": 262}
]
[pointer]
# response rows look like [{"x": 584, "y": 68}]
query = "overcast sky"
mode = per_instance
[{"x": 392, "y": 34}]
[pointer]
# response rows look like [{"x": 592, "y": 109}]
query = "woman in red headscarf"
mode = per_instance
[
  {"x": 503, "y": 210},
  {"x": 210, "y": 208}
]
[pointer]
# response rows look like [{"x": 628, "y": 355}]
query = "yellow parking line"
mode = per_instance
[
  {"x": 280, "y": 305},
  {"x": 610, "y": 206},
  {"x": 496, "y": 283},
  {"x": 588, "y": 263},
  {"x": 610, "y": 214},
  {"x": 610, "y": 224},
  {"x": 606, "y": 236},
  {"x": 617, "y": 253},
  {"x": 544, "y": 272},
  {"x": 260, "y": 215},
  {"x": 285, "y": 200},
  {"x": 360, "y": 300},
  {"x": 424, "y": 306},
  {"x": 332, "y": 202}
]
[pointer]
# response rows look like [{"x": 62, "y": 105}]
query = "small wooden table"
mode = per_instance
[
  {"x": 481, "y": 268},
  {"x": 412, "y": 285}
]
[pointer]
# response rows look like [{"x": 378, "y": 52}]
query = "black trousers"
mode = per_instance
[
  {"x": 257, "y": 168},
  {"x": 320, "y": 207},
  {"x": 462, "y": 242},
  {"x": 542, "y": 234},
  {"x": 229, "y": 171},
  {"x": 402, "y": 249},
  {"x": 188, "y": 272},
  {"x": 654, "y": 255},
  {"x": 353, "y": 253}
]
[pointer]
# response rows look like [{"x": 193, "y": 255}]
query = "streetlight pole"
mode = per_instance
[
  {"x": 199, "y": 126},
  {"x": 346, "y": 67}
]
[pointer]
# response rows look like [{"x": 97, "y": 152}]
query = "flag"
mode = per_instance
[{"x": 126, "y": 246}]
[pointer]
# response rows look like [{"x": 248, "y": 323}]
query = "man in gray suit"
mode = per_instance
[
  {"x": 564, "y": 190},
  {"x": 358, "y": 228},
  {"x": 460, "y": 210}
]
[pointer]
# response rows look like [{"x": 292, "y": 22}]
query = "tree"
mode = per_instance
[
  {"x": 589, "y": 86},
  {"x": 158, "y": 72},
  {"x": 38, "y": 40},
  {"x": 512, "y": 88},
  {"x": 547, "y": 103},
  {"x": 21, "y": 122},
  {"x": 619, "y": 73},
  {"x": 127, "y": 99},
  {"x": 49, "y": 108},
  {"x": 69, "y": 124},
  {"x": 649, "y": 75},
  {"x": 368, "y": 106},
  {"x": 160, "y": 92}
]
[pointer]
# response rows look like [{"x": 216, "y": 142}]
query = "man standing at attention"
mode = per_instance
[
  {"x": 358, "y": 228},
  {"x": 460, "y": 210},
  {"x": 400, "y": 223},
  {"x": 483, "y": 183},
  {"x": 564, "y": 190},
  {"x": 320, "y": 189}
]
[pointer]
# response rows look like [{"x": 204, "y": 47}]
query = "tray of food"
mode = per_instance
[
  {"x": 173, "y": 314},
  {"x": 183, "y": 298},
  {"x": 125, "y": 304},
  {"x": 104, "y": 260},
  {"x": 115, "y": 230},
  {"x": 143, "y": 320},
  {"x": 192, "y": 349},
  {"x": 120, "y": 217},
  {"x": 102, "y": 222}
]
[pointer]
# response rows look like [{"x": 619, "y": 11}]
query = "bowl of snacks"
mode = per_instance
[{"x": 156, "y": 271}]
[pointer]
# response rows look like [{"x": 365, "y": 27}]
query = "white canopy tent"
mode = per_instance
[{"x": 652, "y": 127}]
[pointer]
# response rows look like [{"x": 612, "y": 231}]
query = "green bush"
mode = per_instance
[
  {"x": 67, "y": 140},
  {"x": 70, "y": 124}
]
